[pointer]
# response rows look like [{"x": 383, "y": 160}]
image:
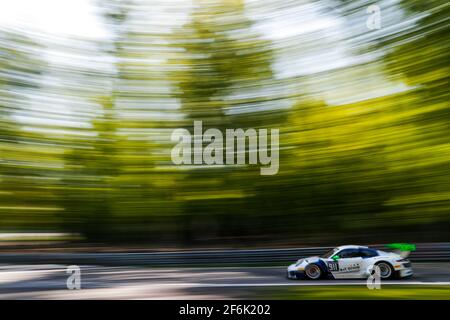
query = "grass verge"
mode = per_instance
[{"x": 350, "y": 292}]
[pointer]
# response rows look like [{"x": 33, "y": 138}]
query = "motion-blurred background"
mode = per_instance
[{"x": 90, "y": 92}]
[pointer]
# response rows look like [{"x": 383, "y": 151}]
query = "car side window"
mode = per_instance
[
  {"x": 368, "y": 253},
  {"x": 349, "y": 253}
]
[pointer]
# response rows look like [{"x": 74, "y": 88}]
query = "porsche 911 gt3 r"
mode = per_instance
[{"x": 351, "y": 262}]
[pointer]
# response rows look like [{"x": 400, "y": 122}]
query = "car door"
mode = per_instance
[
  {"x": 347, "y": 264},
  {"x": 367, "y": 256}
]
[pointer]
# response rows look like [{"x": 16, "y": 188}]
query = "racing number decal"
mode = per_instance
[{"x": 333, "y": 266}]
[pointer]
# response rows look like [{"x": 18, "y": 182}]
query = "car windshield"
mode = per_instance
[{"x": 329, "y": 253}]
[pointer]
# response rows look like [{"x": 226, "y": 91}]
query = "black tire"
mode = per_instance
[
  {"x": 386, "y": 270},
  {"x": 313, "y": 272}
]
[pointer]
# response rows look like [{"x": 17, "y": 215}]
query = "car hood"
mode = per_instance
[
  {"x": 311, "y": 259},
  {"x": 307, "y": 260},
  {"x": 303, "y": 262}
]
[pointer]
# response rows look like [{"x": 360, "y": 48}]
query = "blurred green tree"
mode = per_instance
[
  {"x": 25, "y": 200},
  {"x": 223, "y": 69}
]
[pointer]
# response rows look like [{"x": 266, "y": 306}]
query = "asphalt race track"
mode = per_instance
[{"x": 98, "y": 282}]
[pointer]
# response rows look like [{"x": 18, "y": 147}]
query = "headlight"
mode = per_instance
[{"x": 403, "y": 260}]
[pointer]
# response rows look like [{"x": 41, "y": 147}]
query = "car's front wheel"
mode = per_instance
[
  {"x": 386, "y": 270},
  {"x": 313, "y": 272}
]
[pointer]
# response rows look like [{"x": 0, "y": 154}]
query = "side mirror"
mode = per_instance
[{"x": 335, "y": 258}]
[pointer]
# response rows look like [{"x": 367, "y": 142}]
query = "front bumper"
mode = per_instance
[{"x": 295, "y": 274}]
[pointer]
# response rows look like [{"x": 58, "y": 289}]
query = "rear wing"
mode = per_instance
[{"x": 402, "y": 249}]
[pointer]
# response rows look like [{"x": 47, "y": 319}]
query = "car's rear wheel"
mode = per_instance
[
  {"x": 313, "y": 272},
  {"x": 386, "y": 270}
]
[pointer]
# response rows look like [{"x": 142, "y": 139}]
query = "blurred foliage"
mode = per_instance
[
  {"x": 363, "y": 118},
  {"x": 346, "y": 292}
]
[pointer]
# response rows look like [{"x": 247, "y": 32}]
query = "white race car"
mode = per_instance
[{"x": 352, "y": 262}]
